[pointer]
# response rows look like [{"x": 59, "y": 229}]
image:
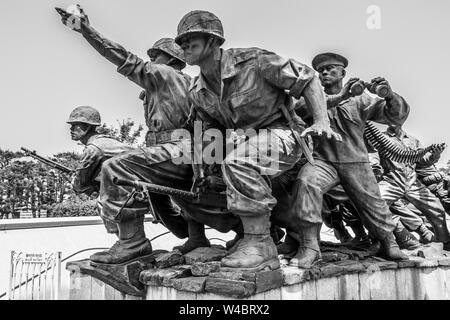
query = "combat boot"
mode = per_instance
[
  {"x": 361, "y": 238},
  {"x": 341, "y": 233},
  {"x": 232, "y": 244},
  {"x": 308, "y": 251},
  {"x": 277, "y": 234},
  {"x": 289, "y": 246},
  {"x": 132, "y": 244},
  {"x": 256, "y": 250},
  {"x": 197, "y": 238},
  {"x": 405, "y": 239},
  {"x": 425, "y": 234},
  {"x": 390, "y": 250}
]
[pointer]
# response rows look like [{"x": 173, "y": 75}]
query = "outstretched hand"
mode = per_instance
[
  {"x": 75, "y": 20},
  {"x": 439, "y": 148},
  {"x": 375, "y": 82},
  {"x": 346, "y": 92},
  {"x": 319, "y": 130}
]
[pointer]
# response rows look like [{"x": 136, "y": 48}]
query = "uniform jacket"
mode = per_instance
[
  {"x": 255, "y": 83},
  {"x": 98, "y": 149},
  {"x": 348, "y": 119},
  {"x": 166, "y": 103}
]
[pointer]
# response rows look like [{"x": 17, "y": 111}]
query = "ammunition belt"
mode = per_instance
[{"x": 389, "y": 150}]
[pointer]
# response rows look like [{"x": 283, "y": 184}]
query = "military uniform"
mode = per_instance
[
  {"x": 400, "y": 181},
  {"x": 99, "y": 148},
  {"x": 255, "y": 85},
  {"x": 347, "y": 163}
]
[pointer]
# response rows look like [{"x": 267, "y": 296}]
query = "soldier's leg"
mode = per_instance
[
  {"x": 247, "y": 172},
  {"x": 430, "y": 206},
  {"x": 152, "y": 165},
  {"x": 409, "y": 218},
  {"x": 313, "y": 181},
  {"x": 332, "y": 212},
  {"x": 351, "y": 217},
  {"x": 405, "y": 218},
  {"x": 361, "y": 186}
]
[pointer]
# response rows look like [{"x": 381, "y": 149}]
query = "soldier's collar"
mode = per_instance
[{"x": 228, "y": 70}]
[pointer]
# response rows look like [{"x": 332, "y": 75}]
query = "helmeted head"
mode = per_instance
[
  {"x": 331, "y": 67},
  {"x": 198, "y": 32},
  {"x": 165, "y": 51},
  {"x": 83, "y": 120}
]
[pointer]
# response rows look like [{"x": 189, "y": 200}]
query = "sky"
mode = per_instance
[{"x": 48, "y": 70}]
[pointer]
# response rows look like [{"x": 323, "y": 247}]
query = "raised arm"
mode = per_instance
[{"x": 128, "y": 64}]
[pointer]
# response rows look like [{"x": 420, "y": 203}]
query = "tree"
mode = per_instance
[{"x": 124, "y": 133}]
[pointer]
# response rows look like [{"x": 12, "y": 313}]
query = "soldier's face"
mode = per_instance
[
  {"x": 330, "y": 74},
  {"x": 160, "y": 58},
  {"x": 194, "y": 49},
  {"x": 78, "y": 130}
]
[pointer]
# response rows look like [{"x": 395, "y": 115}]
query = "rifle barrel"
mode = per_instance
[{"x": 47, "y": 161}]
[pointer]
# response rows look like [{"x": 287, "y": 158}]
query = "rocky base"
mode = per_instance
[{"x": 343, "y": 273}]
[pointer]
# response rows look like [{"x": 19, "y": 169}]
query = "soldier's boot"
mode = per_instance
[
  {"x": 197, "y": 238},
  {"x": 341, "y": 233},
  {"x": 256, "y": 251},
  {"x": 132, "y": 244},
  {"x": 426, "y": 235},
  {"x": 308, "y": 251},
  {"x": 276, "y": 233},
  {"x": 361, "y": 237},
  {"x": 289, "y": 246},
  {"x": 405, "y": 239},
  {"x": 232, "y": 244},
  {"x": 390, "y": 250}
]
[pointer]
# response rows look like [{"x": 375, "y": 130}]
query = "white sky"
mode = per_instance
[{"x": 47, "y": 69}]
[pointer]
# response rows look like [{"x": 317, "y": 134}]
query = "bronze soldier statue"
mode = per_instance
[
  {"x": 98, "y": 148},
  {"x": 344, "y": 163},
  {"x": 249, "y": 89},
  {"x": 166, "y": 108}
]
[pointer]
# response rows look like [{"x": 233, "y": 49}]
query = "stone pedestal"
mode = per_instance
[{"x": 342, "y": 275}]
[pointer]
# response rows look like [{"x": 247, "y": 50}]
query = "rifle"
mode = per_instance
[
  {"x": 210, "y": 198},
  {"x": 47, "y": 161}
]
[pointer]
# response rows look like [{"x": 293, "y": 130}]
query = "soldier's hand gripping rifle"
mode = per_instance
[{"x": 49, "y": 162}]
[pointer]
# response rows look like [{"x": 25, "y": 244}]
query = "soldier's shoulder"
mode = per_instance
[{"x": 245, "y": 54}]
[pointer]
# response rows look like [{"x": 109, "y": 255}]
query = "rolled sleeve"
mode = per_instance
[
  {"x": 287, "y": 74},
  {"x": 393, "y": 111}
]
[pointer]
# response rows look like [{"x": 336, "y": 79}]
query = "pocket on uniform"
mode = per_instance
[{"x": 244, "y": 98}]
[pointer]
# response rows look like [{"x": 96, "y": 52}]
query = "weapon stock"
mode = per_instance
[{"x": 47, "y": 161}]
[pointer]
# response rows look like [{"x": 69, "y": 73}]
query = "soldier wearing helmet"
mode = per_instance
[
  {"x": 249, "y": 89},
  {"x": 83, "y": 122},
  {"x": 166, "y": 108}
]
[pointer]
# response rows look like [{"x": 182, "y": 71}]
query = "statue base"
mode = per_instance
[{"x": 343, "y": 274}]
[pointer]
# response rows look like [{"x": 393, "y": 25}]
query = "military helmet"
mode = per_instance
[
  {"x": 167, "y": 45},
  {"x": 85, "y": 114},
  {"x": 199, "y": 21}
]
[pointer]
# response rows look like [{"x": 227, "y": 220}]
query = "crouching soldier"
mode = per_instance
[{"x": 99, "y": 147}]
